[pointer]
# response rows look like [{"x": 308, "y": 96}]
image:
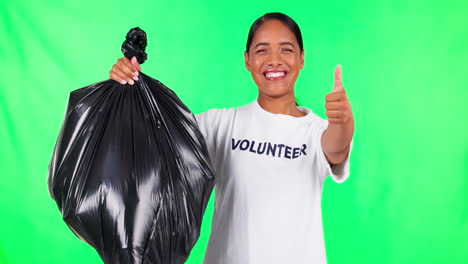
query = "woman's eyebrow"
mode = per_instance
[
  {"x": 287, "y": 43},
  {"x": 261, "y": 43},
  {"x": 281, "y": 43}
]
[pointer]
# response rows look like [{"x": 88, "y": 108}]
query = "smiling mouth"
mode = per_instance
[{"x": 275, "y": 75}]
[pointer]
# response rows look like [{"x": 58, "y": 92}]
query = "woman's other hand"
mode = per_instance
[{"x": 125, "y": 71}]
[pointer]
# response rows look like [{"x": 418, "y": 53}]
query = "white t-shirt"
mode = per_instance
[{"x": 269, "y": 171}]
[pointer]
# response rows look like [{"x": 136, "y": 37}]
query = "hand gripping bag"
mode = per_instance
[{"x": 130, "y": 171}]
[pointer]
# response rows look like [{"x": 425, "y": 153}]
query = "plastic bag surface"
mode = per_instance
[{"x": 130, "y": 172}]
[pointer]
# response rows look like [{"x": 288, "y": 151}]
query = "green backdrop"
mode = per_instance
[{"x": 404, "y": 68}]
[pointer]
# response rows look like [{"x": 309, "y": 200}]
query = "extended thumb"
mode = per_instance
[{"x": 338, "y": 86}]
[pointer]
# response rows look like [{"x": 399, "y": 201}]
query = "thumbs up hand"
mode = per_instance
[{"x": 337, "y": 104}]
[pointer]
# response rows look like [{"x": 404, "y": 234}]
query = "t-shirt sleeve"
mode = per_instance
[
  {"x": 214, "y": 125},
  {"x": 207, "y": 124},
  {"x": 338, "y": 172}
]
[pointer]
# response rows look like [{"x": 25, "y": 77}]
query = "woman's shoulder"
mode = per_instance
[
  {"x": 216, "y": 113},
  {"x": 312, "y": 116},
  {"x": 223, "y": 113}
]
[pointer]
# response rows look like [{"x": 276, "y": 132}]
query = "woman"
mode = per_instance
[{"x": 271, "y": 156}]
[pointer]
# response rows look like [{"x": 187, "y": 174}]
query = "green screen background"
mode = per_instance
[{"x": 404, "y": 69}]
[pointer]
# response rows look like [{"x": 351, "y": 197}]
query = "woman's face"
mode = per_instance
[{"x": 274, "y": 59}]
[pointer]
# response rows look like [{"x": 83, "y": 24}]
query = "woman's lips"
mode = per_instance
[{"x": 275, "y": 75}]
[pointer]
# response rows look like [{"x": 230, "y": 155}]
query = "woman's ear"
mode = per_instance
[
  {"x": 302, "y": 59},
  {"x": 246, "y": 60}
]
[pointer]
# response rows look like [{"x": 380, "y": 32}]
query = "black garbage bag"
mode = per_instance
[{"x": 130, "y": 170}]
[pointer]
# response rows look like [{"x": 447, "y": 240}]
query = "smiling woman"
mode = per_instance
[{"x": 270, "y": 157}]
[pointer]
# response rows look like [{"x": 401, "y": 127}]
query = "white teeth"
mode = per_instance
[{"x": 274, "y": 74}]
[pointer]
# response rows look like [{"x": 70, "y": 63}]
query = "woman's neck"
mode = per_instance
[{"x": 282, "y": 105}]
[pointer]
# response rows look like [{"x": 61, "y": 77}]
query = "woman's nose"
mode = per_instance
[{"x": 274, "y": 59}]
